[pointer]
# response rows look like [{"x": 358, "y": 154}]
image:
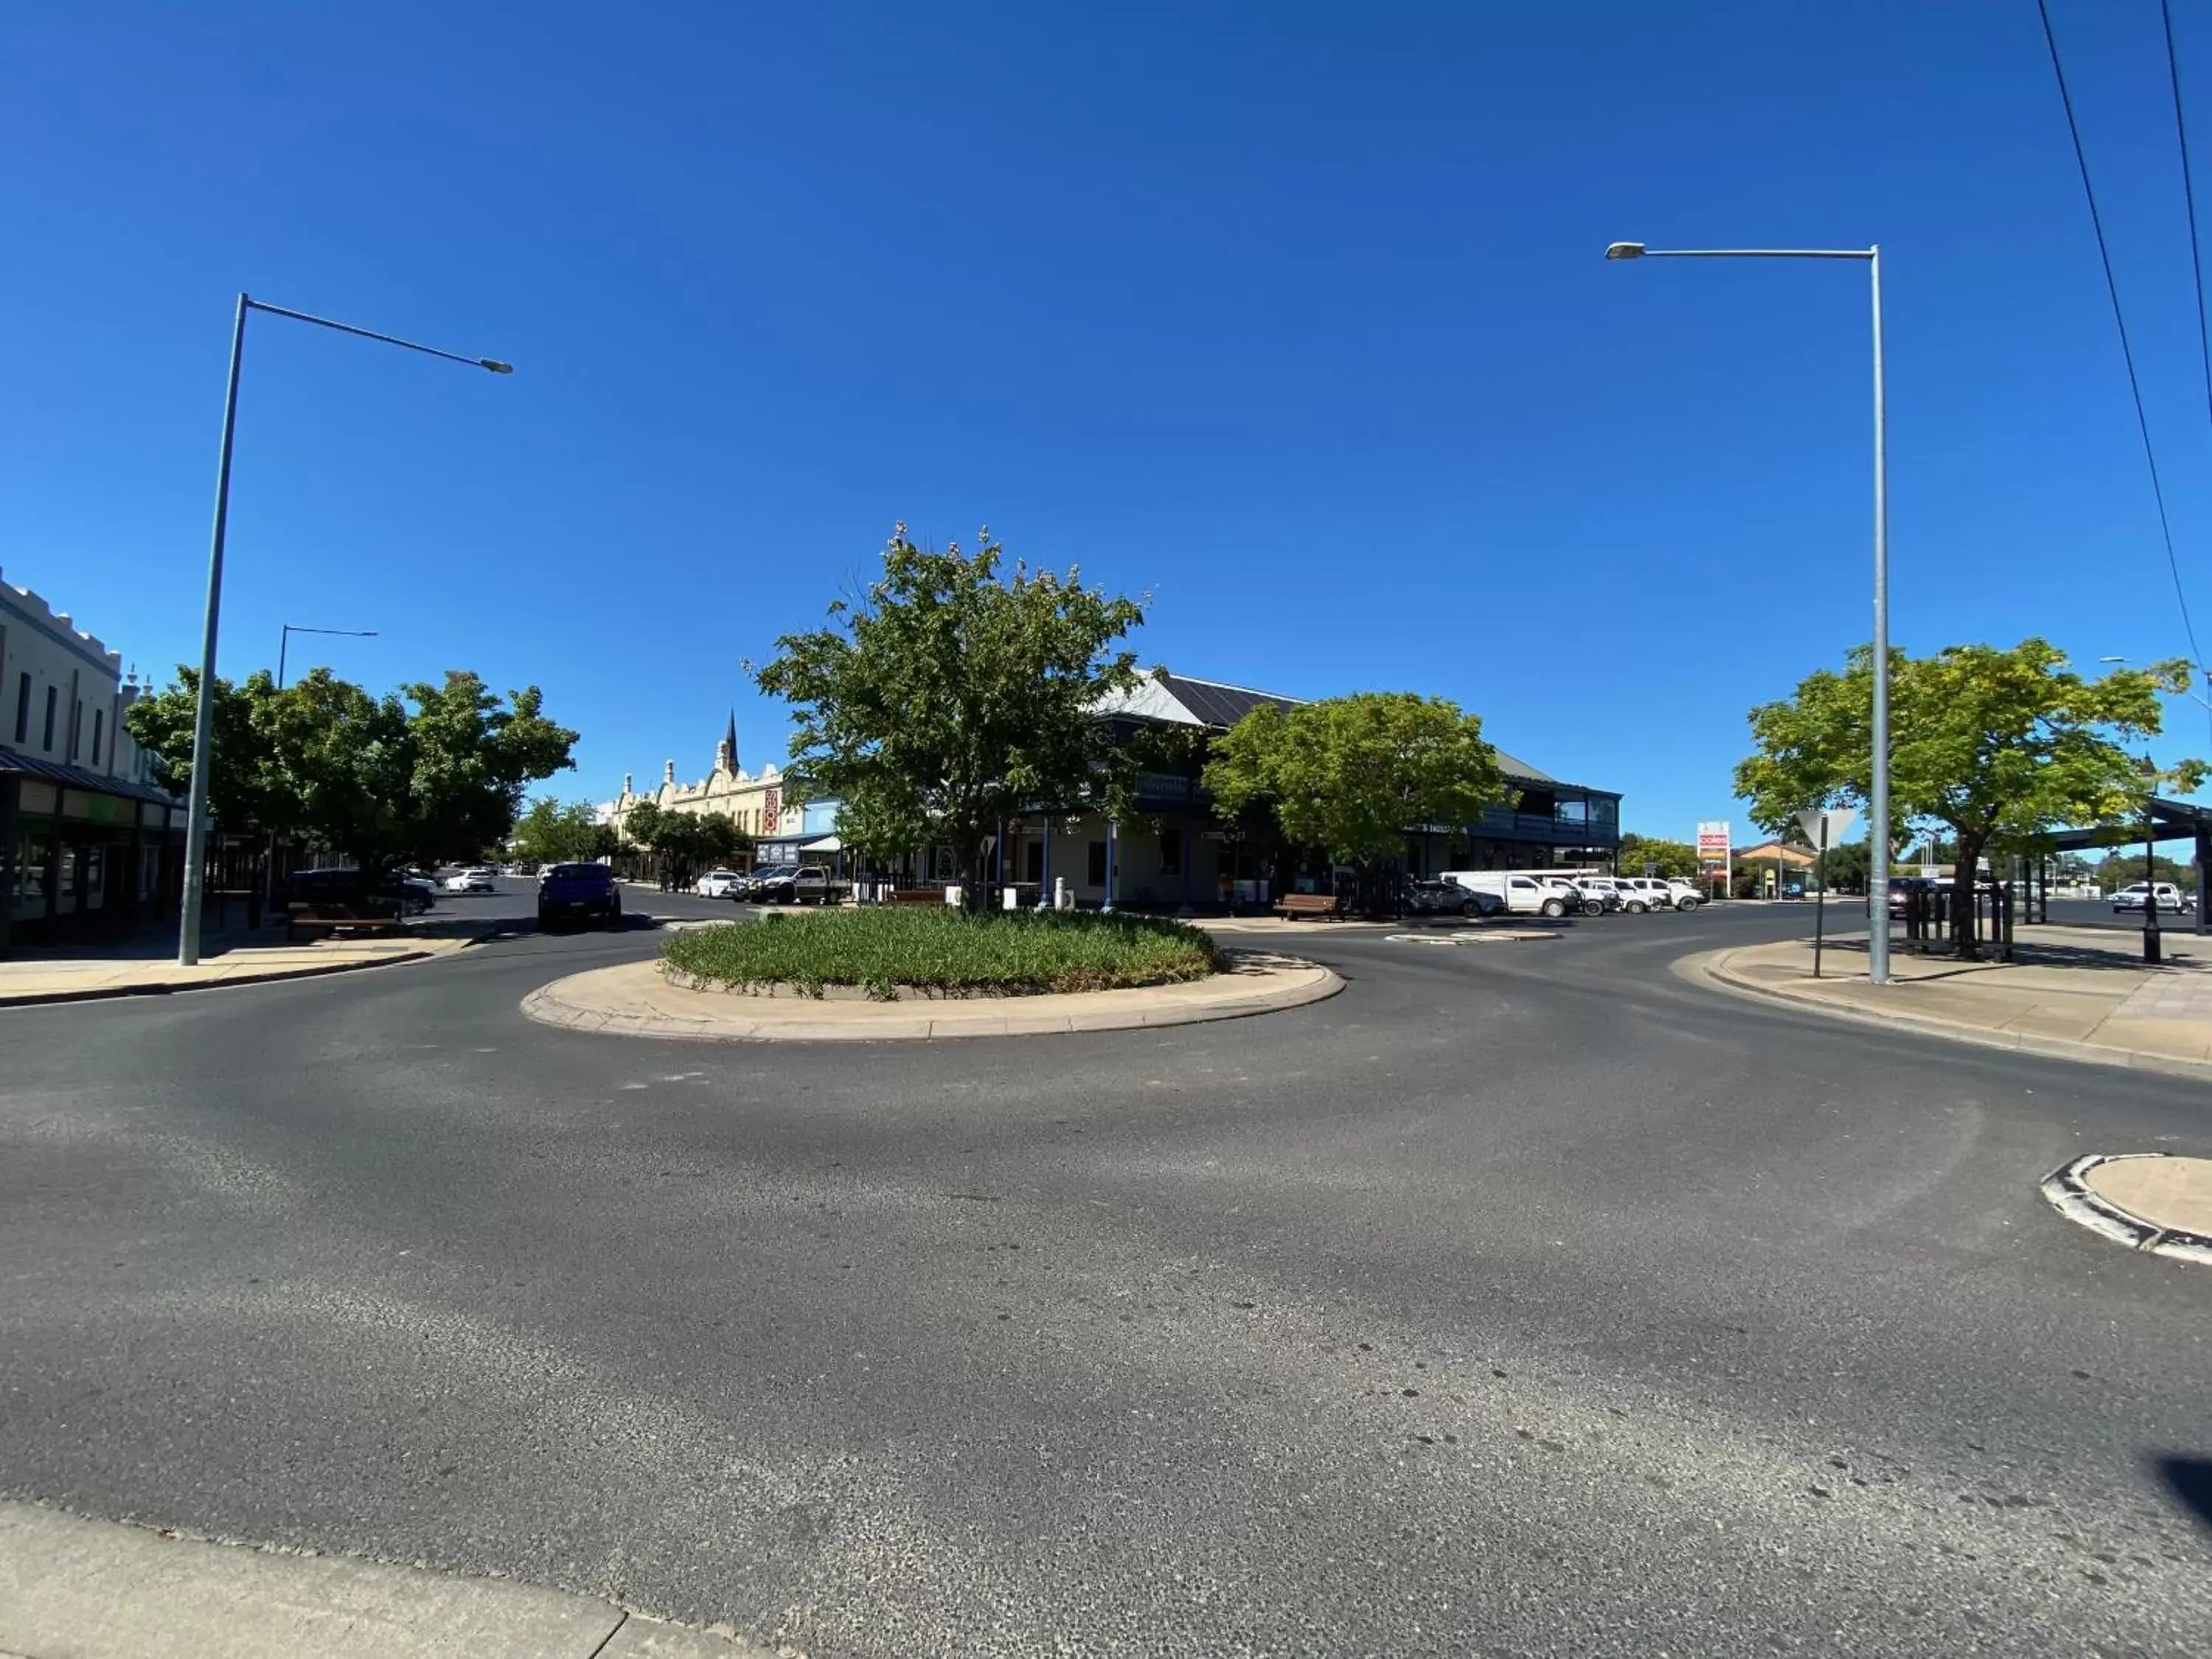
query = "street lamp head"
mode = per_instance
[
  {"x": 495, "y": 365},
  {"x": 1624, "y": 251}
]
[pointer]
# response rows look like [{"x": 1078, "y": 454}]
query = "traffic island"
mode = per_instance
[
  {"x": 2155, "y": 1202},
  {"x": 2078, "y": 994},
  {"x": 638, "y": 999}
]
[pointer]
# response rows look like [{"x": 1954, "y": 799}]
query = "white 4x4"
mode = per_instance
[
  {"x": 1685, "y": 894},
  {"x": 1655, "y": 891},
  {"x": 2131, "y": 897}
]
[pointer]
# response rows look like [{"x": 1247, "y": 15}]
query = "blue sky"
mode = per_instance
[{"x": 1291, "y": 316}]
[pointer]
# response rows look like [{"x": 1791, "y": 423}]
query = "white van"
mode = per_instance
[{"x": 1521, "y": 893}]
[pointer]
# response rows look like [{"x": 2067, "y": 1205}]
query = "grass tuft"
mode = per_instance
[{"x": 944, "y": 952}]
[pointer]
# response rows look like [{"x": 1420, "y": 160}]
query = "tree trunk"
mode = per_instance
[{"x": 1966, "y": 884}]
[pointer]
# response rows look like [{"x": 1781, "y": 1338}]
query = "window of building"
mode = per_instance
[
  {"x": 23, "y": 706},
  {"x": 1097, "y": 876},
  {"x": 1171, "y": 853},
  {"x": 53, "y": 701},
  {"x": 99, "y": 721},
  {"x": 1033, "y": 862},
  {"x": 77, "y": 729}
]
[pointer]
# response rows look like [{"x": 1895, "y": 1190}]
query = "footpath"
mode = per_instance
[
  {"x": 73, "y": 1588},
  {"x": 2079, "y": 993},
  {"x": 148, "y": 966}
]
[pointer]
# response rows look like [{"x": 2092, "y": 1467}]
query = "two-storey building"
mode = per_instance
[{"x": 88, "y": 844}]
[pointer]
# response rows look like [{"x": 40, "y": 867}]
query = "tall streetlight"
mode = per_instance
[
  {"x": 196, "y": 823},
  {"x": 1878, "y": 827},
  {"x": 284, "y": 641}
]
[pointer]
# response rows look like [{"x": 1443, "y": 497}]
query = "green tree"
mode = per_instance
[
  {"x": 251, "y": 787},
  {"x": 1848, "y": 867},
  {"x": 956, "y": 694},
  {"x": 1998, "y": 746},
  {"x": 551, "y": 833},
  {"x": 641, "y": 823},
  {"x": 368, "y": 777},
  {"x": 1652, "y": 855},
  {"x": 1351, "y": 775}
]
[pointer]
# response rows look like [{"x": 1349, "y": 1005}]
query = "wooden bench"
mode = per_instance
[
  {"x": 1291, "y": 906},
  {"x": 330, "y": 914}
]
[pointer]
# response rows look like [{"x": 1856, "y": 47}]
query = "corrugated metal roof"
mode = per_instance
[
  {"x": 81, "y": 777},
  {"x": 1212, "y": 703}
]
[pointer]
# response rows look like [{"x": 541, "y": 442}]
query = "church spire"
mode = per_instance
[{"x": 726, "y": 757}]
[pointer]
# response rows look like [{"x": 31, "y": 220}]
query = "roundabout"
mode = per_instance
[{"x": 639, "y": 998}]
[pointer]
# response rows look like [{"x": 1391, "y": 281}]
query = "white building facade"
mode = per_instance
[{"x": 88, "y": 844}]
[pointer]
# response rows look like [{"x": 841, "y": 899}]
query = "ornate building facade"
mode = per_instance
[{"x": 755, "y": 802}]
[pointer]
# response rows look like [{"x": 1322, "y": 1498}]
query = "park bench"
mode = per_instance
[
  {"x": 368, "y": 915},
  {"x": 1291, "y": 906}
]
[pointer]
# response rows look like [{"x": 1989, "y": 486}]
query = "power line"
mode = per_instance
[{"x": 2119, "y": 321}]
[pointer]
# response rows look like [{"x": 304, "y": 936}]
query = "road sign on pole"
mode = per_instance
[{"x": 1822, "y": 827}]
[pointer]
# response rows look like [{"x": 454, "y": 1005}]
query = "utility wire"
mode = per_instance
[
  {"x": 2119, "y": 321},
  {"x": 2189, "y": 196}
]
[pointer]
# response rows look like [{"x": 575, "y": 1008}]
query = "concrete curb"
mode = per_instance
[
  {"x": 70, "y": 1585},
  {"x": 2070, "y": 1192},
  {"x": 162, "y": 988},
  {"x": 1711, "y": 968},
  {"x": 582, "y": 1002}
]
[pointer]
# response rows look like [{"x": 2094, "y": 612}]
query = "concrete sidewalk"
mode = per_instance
[
  {"x": 143, "y": 969},
  {"x": 2081, "y": 993},
  {"x": 73, "y": 1588}
]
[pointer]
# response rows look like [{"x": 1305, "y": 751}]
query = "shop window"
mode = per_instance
[
  {"x": 1097, "y": 873},
  {"x": 1171, "y": 853},
  {"x": 32, "y": 849}
]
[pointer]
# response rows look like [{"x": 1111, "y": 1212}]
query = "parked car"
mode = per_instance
[
  {"x": 750, "y": 889},
  {"x": 718, "y": 884},
  {"x": 1685, "y": 894},
  {"x": 1445, "y": 897},
  {"x": 578, "y": 892},
  {"x": 1608, "y": 894},
  {"x": 471, "y": 881},
  {"x": 1654, "y": 891},
  {"x": 416, "y": 893},
  {"x": 390, "y": 897},
  {"x": 2170, "y": 897},
  {"x": 1521, "y": 892},
  {"x": 803, "y": 884}
]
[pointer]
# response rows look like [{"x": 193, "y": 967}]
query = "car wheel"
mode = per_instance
[
  {"x": 1635, "y": 907},
  {"x": 1685, "y": 905},
  {"x": 1555, "y": 907}
]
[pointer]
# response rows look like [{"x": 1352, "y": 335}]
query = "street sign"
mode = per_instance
[{"x": 1826, "y": 827}]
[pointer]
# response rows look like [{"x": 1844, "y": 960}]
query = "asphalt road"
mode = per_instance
[{"x": 1521, "y": 1299}]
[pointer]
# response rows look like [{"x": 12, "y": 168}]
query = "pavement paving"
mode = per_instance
[
  {"x": 2084, "y": 994},
  {"x": 1528, "y": 1301},
  {"x": 70, "y": 1586}
]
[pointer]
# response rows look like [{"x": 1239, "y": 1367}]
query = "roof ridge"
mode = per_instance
[{"x": 1248, "y": 691}]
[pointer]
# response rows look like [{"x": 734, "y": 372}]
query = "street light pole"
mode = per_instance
[
  {"x": 1878, "y": 793},
  {"x": 284, "y": 641},
  {"x": 195, "y": 821}
]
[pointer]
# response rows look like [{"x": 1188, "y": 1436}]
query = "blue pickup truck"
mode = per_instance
[{"x": 570, "y": 893}]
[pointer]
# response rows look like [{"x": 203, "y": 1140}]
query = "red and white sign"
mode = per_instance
[{"x": 1713, "y": 842}]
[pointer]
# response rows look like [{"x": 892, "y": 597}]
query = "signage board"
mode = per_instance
[
  {"x": 1827, "y": 827},
  {"x": 1713, "y": 842}
]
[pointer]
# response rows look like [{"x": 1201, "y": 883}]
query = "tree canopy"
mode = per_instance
[
  {"x": 551, "y": 833},
  {"x": 1351, "y": 775},
  {"x": 1653, "y": 855},
  {"x": 955, "y": 695},
  {"x": 433, "y": 774},
  {"x": 1998, "y": 746}
]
